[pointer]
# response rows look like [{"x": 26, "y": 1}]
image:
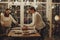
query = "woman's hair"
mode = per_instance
[
  {"x": 32, "y": 8},
  {"x": 5, "y": 12},
  {"x": 7, "y": 9}
]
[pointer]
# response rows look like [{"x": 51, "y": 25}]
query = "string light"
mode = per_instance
[
  {"x": 36, "y": 6},
  {"x": 27, "y": 2},
  {"x": 16, "y": 2},
  {"x": 56, "y": 18},
  {"x": 53, "y": 6}
]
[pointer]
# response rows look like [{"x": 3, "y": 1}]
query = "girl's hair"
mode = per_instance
[
  {"x": 7, "y": 9},
  {"x": 5, "y": 12},
  {"x": 32, "y": 8}
]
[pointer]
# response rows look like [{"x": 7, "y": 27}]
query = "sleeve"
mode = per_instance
[
  {"x": 41, "y": 21},
  {"x": 1, "y": 20},
  {"x": 13, "y": 20}
]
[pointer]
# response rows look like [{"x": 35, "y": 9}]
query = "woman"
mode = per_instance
[
  {"x": 6, "y": 21},
  {"x": 37, "y": 22}
]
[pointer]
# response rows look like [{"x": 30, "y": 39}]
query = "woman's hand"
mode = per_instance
[
  {"x": 16, "y": 24},
  {"x": 3, "y": 25}
]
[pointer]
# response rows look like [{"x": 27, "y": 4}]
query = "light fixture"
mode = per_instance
[
  {"x": 15, "y": 2},
  {"x": 27, "y": 3},
  {"x": 56, "y": 18},
  {"x": 36, "y": 6},
  {"x": 53, "y": 6}
]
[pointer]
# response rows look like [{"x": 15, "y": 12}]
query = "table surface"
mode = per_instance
[{"x": 13, "y": 34}]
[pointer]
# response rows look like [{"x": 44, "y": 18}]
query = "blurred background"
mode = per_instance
[{"x": 49, "y": 9}]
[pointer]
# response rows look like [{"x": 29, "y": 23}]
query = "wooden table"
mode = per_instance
[{"x": 14, "y": 36}]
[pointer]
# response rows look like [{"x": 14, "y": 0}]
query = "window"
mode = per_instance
[
  {"x": 16, "y": 12},
  {"x": 3, "y": 6},
  {"x": 27, "y": 16},
  {"x": 55, "y": 17},
  {"x": 55, "y": 11}
]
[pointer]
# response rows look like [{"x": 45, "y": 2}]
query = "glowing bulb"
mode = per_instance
[
  {"x": 35, "y": 6},
  {"x": 16, "y": 2},
  {"x": 52, "y": 7},
  {"x": 27, "y": 3},
  {"x": 56, "y": 18}
]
